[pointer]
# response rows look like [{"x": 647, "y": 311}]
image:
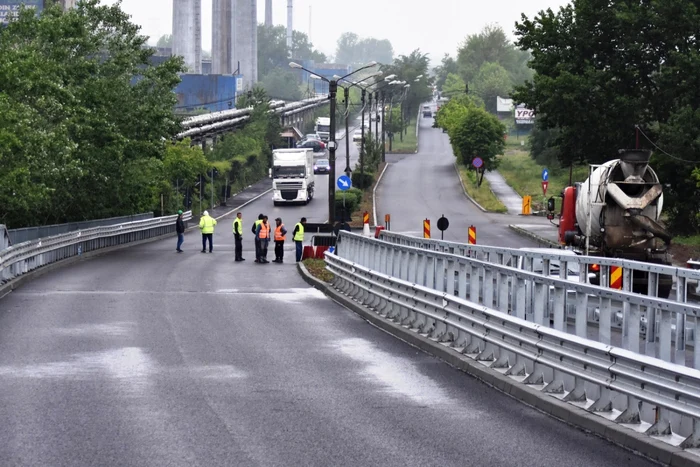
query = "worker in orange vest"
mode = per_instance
[
  {"x": 263, "y": 236},
  {"x": 280, "y": 236}
]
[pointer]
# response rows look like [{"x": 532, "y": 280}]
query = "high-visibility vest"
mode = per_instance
[
  {"x": 238, "y": 230},
  {"x": 278, "y": 233},
  {"x": 299, "y": 236},
  {"x": 264, "y": 231},
  {"x": 207, "y": 224}
]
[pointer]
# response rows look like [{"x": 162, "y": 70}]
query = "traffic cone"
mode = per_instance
[{"x": 365, "y": 225}]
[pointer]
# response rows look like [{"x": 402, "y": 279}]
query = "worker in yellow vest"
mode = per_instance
[
  {"x": 298, "y": 235},
  {"x": 256, "y": 224},
  {"x": 280, "y": 236},
  {"x": 238, "y": 236},
  {"x": 206, "y": 225},
  {"x": 263, "y": 235}
]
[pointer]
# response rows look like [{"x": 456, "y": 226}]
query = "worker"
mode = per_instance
[
  {"x": 238, "y": 236},
  {"x": 298, "y": 235},
  {"x": 280, "y": 236},
  {"x": 206, "y": 225},
  {"x": 180, "y": 229},
  {"x": 263, "y": 235},
  {"x": 255, "y": 234}
]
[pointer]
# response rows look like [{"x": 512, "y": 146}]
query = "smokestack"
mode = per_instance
[
  {"x": 187, "y": 33},
  {"x": 268, "y": 12},
  {"x": 221, "y": 37},
  {"x": 245, "y": 39},
  {"x": 310, "y": 23},
  {"x": 290, "y": 17}
]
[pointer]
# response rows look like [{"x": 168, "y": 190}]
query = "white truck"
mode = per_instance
[
  {"x": 323, "y": 128},
  {"x": 292, "y": 175}
]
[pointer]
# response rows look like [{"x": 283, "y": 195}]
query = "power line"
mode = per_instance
[{"x": 657, "y": 147}]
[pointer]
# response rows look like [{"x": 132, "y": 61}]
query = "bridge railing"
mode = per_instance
[
  {"x": 25, "y": 257},
  {"x": 478, "y": 308}
]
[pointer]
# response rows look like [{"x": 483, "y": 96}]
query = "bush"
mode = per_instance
[
  {"x": 353, "y": 198},
  {"x": 362, "y": 180}
]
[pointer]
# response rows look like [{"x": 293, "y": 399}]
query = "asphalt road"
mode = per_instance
[
  {"x": 148, "y": 357},
  {"x": 425, "y": 185}
]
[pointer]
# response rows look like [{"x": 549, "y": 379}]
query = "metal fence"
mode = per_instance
[
  {"x": 4, "y": 237},
  {"x": 32, "y": 233},
  {"x": 25, "y": 257},
  {"x": 481, "y": 310}
]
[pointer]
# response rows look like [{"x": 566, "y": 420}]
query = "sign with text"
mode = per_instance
[
  {"x": 9, "y": 9},
  {"x": 524, "y": 116}
]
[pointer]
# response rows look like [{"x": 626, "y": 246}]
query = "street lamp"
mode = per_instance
[
  {"x": 332, "y": 91},
  {"x": 390, "y": 81}
]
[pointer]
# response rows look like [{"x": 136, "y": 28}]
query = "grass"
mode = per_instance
[
  {"x": 409, "y": 145},
  {"x": 367, "y": 202},
  {"x": 688, "y": 241},
  {"x": 483, "y": 195},
  {"x": 317, "y": 268},
  {"x": 525, "y": 176}
]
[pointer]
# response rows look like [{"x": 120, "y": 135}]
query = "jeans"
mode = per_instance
[
  {"x": 300, "y": 249},
  {"x": 239, "y": 247},
  {"x": 257, "y": 249},
  {"x": 264, "y": 242},
  {"x": 279, "y": 249},
  {"x": 180, "y": 239},
  {"x": 206, "y": 237}
]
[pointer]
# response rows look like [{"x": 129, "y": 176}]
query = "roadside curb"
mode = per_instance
[
  {"x": 534, "y": 236},
  {"x": 374, "y": 193},
  {"x": 464, "y": 190},
  {"x": 629, "y": 439}
]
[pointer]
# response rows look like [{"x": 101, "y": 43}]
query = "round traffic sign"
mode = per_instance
[
  {"x": 477, "y": 162},
  {"x": 545, "y": 175},
  {"x": 443, "y": 223}
]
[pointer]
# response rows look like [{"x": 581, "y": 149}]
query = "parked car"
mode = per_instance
[
  {"x": 322, "y": 166},
  {"x": 316, "y": 145},
  {"x": 357, "y": 136}
]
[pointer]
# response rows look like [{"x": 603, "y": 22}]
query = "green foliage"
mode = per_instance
[
  {"x": 408, "y": 68},
  {"x": 282, "y": 84},
  {"x": 352, "y": 50},
  {"x": 453, "y": 86},
  {"x": 448, "y": 65},
  {"x": 624, "y": 64},
  {"x": 353, "y": 198},
  {"x": 491, "y": 81},
  {"x": 166, "y": 40},
  {"x": 477, "y": 133},
  {"x": 362, "y": 181},
  {"x": 83, "y": 116}
]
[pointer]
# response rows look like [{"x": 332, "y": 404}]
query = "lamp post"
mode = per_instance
[
  {"x": 389, "y": 80},
  {"x": 332, "y": 92}
]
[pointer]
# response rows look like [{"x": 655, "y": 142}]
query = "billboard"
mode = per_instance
[
  {"x": 524, "y": 116},
  {"x": 9, "y": 9},
  {"x": 504, "y": 104}
]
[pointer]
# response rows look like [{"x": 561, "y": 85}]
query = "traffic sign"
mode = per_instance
[
  {"x": 477, "y": 162},
  {"x": 443, "y": 223},
  {"x": 544, "y": 188},
  {"x": 344, "y": 182},
  {"x": 545, "y": 175}
]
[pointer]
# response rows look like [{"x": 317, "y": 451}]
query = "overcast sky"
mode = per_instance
[{"x": 434, "y": 26}]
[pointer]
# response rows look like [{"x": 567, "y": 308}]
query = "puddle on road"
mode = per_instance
[
  {"x": 397, "y": 374},
  {"x": 285, "y": 295},
  {"x": 112, "y": 329}
]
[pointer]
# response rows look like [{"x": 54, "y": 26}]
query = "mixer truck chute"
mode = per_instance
[{"x": 616, "y": 213}]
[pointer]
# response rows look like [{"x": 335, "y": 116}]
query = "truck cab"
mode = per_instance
[
  {"x": 323, "y": 128},
  {"x": 292, "y": 173}
]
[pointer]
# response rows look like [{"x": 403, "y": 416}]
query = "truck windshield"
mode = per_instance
[
  {"x": 289, "y": 171},
  {"x": 323, "y": 128}
]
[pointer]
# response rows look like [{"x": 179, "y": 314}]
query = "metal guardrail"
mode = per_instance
[
  {"x": 680, "y": 276},
  {"x": 25, "y": 257},
  {"x": 4, "y": 238},
  {"x": 412, "y": 287}
]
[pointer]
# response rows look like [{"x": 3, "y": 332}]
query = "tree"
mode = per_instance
[
  {"x": 272, "y": 49},
  {"x": 492, "y": 46},
  {"x": 303, "y": 49},
  {"x": 165, "y": 41},
  {"x": 103, "y": 113},
  {"x": 282, "y": 84},
  {"x": 352, "y": 50},
  {"x": 454, "y": 86},
  {"x": 604, "y": 67},
  {"x": 478, "y": 133},
  {"x": 491, "y": 81},
  {"x": 447, "y": 66},
  {"x": 408, "y": 68}
]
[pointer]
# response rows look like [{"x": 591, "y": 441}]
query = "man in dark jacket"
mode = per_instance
[{"x": 180, "y": 229}]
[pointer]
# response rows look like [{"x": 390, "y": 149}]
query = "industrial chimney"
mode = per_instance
[
  {"x": 290, "y": 18},
  {"x": 221, "y": 43},
  {"x": 268, "y": 12},
  {"x": 187, "y": 33}
]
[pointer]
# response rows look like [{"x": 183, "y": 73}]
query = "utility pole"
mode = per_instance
[
  {"x": 362, "y": 142},
  {"x": 383, "y": 127},
  {"x": 333, "y": 91},
  {"x": 348, "y": 171}
]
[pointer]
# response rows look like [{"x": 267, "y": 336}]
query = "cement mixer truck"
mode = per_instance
[{"x": 616, "y": 213}]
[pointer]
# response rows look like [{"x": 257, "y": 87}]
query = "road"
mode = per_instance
[
  {"x": 148, "y": 357},
  {"x": 425, "y": 185}
]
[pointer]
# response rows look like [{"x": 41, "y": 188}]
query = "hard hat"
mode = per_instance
[
  {"x": 180, "y": 211},
  {"x": 206, "y": 213}
]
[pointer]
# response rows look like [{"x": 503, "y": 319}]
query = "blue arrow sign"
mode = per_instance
[
  {"x": 344, "y": 182},
  {"x": 545, "y": 175}
]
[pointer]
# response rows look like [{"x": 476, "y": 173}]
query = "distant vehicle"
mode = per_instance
[
  {"x": 292, "y": 176},
  {"x": 322, "y": 166},
  {"x": 427, "y": 113},
  {"x": 315, "y": 144},
  {"x": 323, "y": 128},
  {"x": 374, "y": 117},
  {"x": 315, "y": 136},
  {"x": 357, "y": 136}
]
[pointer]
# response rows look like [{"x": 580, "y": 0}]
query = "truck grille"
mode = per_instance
[{"x": 290, "y": 185}]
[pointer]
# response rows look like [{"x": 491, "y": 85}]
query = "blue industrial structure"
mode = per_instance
[{"x": 206, "y": 92}]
